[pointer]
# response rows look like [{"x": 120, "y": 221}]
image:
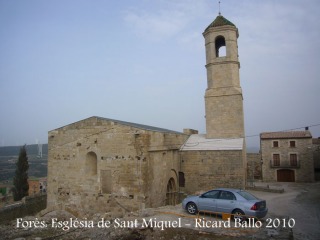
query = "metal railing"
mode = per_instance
[{"x": 284, "y": 164}]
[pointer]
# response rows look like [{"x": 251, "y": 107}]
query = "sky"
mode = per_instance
[{"x": 143, "y": 61}]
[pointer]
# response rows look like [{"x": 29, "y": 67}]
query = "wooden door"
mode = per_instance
[{"x": 285, "y": 175}]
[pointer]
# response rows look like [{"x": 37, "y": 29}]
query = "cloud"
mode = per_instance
[
  {"x": 277, "y": 27},
  {"x": 169, "y": 21},
  {"x": 155, "y": 26}
]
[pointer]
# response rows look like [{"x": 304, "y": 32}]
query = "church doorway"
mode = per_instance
[{"x": 171, "y": 197}]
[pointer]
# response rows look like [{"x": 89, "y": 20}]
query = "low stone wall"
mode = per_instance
[
  {"x": 28, "y": 206},
  {"x": 265, "y": 189}
]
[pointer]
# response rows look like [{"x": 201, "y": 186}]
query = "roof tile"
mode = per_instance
[
  {"x": 220, "y": 21},
  {"x": 285, "y": 135}
]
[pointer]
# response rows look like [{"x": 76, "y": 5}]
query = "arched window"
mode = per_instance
[
  {"x": 220, "y": 45},
  {"x": 91, "y": 164}
]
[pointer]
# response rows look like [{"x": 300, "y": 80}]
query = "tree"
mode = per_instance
[{"x": 20, "y": 180}]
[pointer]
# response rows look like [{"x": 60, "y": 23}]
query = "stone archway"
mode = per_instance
[{"x": 171, "y": 196}]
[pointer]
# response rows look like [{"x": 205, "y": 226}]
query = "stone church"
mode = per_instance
[{"x": 111, "y": 166}]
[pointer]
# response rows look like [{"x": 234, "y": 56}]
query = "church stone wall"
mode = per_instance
[
  {"x": 205, "y": 170},
  {"x": 102, "y": 166},
  {"x": 163, "y": 165},
  {"x": 222, "y": 123}
]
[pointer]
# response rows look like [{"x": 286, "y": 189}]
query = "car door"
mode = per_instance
[
  {"x": 207, "y": 201},
  {"x": 226, "y": 202}
]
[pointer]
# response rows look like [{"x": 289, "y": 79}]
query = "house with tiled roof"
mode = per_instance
[{"x": 287, "y": 156}]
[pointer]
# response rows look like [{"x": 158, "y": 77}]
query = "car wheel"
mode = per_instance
[
  {"x": 238, "y": 214},
  {"x": 192, "y": 208}
]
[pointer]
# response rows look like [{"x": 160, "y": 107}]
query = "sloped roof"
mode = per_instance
[
  {"x": 198, "y": 142},
  {"x": 141, "y": 126},
  {"x": 285, "y": 135},
  {"x": 220, "y": 21},
  {"x": 135, "y": 125}
]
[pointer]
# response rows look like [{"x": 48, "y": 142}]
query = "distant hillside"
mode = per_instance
[
  {"x": 31, "y": 150},
  {"x": 38, "y": 166}
]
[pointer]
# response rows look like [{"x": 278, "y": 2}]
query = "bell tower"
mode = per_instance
[{"x": 223, "y": 97}]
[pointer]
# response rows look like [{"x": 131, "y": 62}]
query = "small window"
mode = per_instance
[
  {"x": 182, "y": 181},
  {"x": 276, "y": 159},
  {"x": 275, "y": 144},
  {"x": 292, "y": 144},
  {"x": 293, "y": 160}
]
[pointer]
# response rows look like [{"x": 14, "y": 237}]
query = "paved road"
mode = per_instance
[{"x": 300, "y": 201}]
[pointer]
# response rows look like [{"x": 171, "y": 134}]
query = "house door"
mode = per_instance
[{"x": 285, "y": 175}]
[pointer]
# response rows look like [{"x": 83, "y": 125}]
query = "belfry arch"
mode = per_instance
[{"x": 220, "y": 45}]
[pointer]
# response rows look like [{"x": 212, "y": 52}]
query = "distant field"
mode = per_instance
[{"x": 38, "y": 167}]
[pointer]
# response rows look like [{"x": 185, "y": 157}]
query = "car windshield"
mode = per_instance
[{"x": 247, "y": 195}]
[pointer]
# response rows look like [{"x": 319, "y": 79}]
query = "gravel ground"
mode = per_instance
[{"x": 299, "y": 202}]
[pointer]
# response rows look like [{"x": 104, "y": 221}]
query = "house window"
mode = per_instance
[
  {"x": 292, "y": 144},
  {"x": 293, "y": 160},
  {"x": 276, "y": 159},
  {"x": 275, "y": 144}
]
